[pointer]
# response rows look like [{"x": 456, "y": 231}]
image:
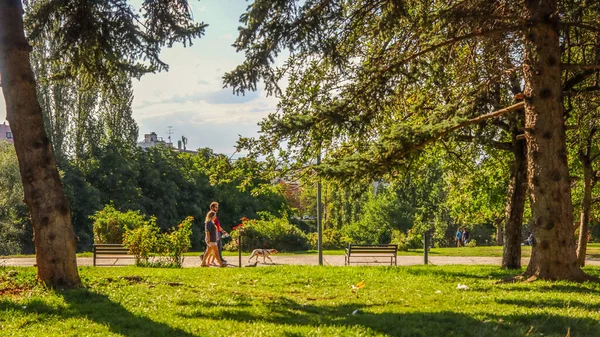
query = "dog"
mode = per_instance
[{"x": 264, "y": 253}]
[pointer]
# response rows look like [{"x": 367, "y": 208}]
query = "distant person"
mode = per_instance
[
  {"x": 212, "y": 251},
  {"x": 458, "y": 237},
  {"x": 529, "y": 240},
  {"x": 466, "y": 236}
]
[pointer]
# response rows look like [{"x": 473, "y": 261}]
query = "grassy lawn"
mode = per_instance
[{"x": 297, "y": 301}]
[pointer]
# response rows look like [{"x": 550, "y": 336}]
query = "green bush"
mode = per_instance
[
  {"x": 413, "y": 240},
  {"x": 177, "y": 242},
  {"x": 110, "y": 224},
  {"x": 143, "y": 241},
  {"x": 147, "y": 241},
  {"x": 332, "y": 239},
  {"x": 366, "y": 233},
  {"x": 269, "y": 232},
  {"x": 399, "y": 238},
  {"x": 472, "y": 243}
]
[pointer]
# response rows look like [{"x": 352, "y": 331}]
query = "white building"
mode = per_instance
[{"x": 151, "y": 139}]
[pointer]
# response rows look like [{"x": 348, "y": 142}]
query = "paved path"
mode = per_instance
[{"x": 328, "y": 260}]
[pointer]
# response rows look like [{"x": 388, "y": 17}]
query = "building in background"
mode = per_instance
[
  {"x": 151, "y": 139},
  {"x": 5, "y": 133}
]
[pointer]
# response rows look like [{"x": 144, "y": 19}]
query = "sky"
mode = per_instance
[{"x": 190, "y": 97}]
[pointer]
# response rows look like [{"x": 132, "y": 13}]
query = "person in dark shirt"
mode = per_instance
[{"x": 211, "y": 240}]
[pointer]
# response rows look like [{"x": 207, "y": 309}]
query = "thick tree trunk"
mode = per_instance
[
  {"x": 54, "y": 238},
  {"x": 553, "y": 254},
  {"x": 585, "y": 210},
  {"x": 515, "y": 205}
]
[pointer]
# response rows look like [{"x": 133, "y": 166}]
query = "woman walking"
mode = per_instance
[{"x": 211, "y": 240}]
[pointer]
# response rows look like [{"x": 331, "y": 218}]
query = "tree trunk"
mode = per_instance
[
  {"x": 515, "y": 205},
  {"x": 585, "y": 210},
  {"x": 54, "y": 238},
  {"x": 553, "y": 253},
  {"x": 499, "y": 222}
]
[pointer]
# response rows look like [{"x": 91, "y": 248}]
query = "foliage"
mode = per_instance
[
  {"x": 110, "y": 224},
  {"x": 299, "y": 301},
  {"x": 472, "y": 243},
  {"x": 147, "y": 241},
  {"x": 399, "y": 238},
  {"x": 332, "y": 239},
  {"x": 143, "y": 241},
  {"x": 269, "y": 232},
  {"x": 15, "y": 226},
  {"x": 177, "y": 242}
]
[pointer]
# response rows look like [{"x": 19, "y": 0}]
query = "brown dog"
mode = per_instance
[{"x": 264, "y": 253}]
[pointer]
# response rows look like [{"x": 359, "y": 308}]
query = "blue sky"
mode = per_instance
[{"x": 190, "y": 96}]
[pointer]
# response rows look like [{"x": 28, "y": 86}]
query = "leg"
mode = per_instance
[
  {"x": 251, "y": 256},
  {"x": 205, "y": 257},
  {"x": 268, "y": 257},
  {"x": 220, "y": 246},
  {"x": 216, "y": 256}
]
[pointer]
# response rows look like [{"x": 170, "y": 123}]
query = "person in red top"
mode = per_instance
[{"x": 214, "y": 206}]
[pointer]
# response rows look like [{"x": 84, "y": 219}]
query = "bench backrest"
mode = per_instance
[
  {"x": 372, "y": 249},
  {"x": 110, "y": 249}
]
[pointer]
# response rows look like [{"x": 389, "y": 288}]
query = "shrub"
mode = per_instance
[
  {"x": 363, "y": 233},
  {"x": 269, "y": 232},
  {"x": 143, "y": 241},
  {"x": 177, "y": 242},
  {"x": 472, "y": 243},
  {"x": 413, "y": 240},
  {"x": 146, "y": 241},
  {"x": 332, "y": 239},
  {"x": 110, "y": 224},
  {"x": 399, "y": 238}
]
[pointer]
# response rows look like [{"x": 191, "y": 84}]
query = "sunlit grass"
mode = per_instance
[{"x": 298, "y": 301}]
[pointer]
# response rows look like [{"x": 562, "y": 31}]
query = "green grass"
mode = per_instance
[{"x": 298, "y": 301}]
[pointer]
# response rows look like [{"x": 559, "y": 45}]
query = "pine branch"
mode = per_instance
[
  {"x": 580, "y": 66},
  {"x": 495, "y": 144}
]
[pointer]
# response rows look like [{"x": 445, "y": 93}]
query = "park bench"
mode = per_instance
[
  {"x": 109, "y": 251},
  {"x": 371, "y": 251}
]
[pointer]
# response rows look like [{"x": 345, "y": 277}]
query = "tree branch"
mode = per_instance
[
  {"x": 576, "y": 66},
  {"x": 495, "y": 144},
  {"x": 572, "y": 82}
]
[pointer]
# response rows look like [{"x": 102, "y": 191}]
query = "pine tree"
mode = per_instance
[{"x": 376, "y": 81}]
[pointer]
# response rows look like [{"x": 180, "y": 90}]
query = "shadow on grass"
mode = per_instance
[
  {"x": 98, "y": 308},
  {"x": 554, "y": 303},
  {"x": 491, "y": 273},
  {"x": 583, "y": 288},
  {"x": 288, "y": 313}
]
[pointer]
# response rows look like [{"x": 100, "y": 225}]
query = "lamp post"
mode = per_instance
[
  {"x": 319, "y": 215},
  {"x": 240, "y": 248}
]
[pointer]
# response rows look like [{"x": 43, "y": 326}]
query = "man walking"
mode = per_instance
[{"x": 214, "y": 206}]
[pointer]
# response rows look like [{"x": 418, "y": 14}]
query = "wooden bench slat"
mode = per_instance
[
  {"x": 111, "y": 251},
  {"x": 374, "y": 251}
]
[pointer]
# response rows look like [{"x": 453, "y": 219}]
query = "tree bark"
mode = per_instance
[
  {"x": 553, "y": 254},
  {"x": 54, "y": 237},
  {"x": 499, "y": 230},
  {"x": 585, "y": 210},
  {"x": 515, "y": 206}
]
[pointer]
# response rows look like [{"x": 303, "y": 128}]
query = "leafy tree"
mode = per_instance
[
  {"x": 15, "y": 234},
  {"x": 362, "y": 83},
  {"x": 102, "y": 37}
]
